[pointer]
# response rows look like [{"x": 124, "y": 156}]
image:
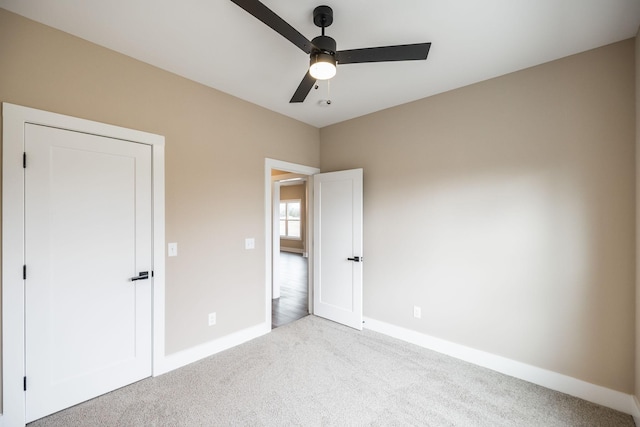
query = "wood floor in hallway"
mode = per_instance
[{"x": 293, "y": 303}]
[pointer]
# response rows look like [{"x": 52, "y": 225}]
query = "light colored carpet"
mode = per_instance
[{"x": 314, "y": 372}]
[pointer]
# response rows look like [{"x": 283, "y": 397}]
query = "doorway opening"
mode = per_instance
[
  {"x": 290, "y": 287},
  {"x": 288, "y": 213}
]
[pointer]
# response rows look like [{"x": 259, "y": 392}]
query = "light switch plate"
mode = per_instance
[
  {"x": 249, "y": 243},
  {"x": 172, "y": 249}
]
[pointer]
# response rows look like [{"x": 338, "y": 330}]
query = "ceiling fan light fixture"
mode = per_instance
[
  {"x": 323, "y": 66},
  {"x": 323, "y": 51}
]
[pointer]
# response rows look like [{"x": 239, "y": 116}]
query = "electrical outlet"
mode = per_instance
[
  {"x": 212, "y": 319},
  {"x": 417, "y": 312}
]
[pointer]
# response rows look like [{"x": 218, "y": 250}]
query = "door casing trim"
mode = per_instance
[{"x": 13, "y": 251}]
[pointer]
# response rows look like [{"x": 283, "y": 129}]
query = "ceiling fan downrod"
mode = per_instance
[{"x": 323, "y": 17}]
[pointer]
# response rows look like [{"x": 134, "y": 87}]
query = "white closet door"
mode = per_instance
[{"x": 88, "y": 233}]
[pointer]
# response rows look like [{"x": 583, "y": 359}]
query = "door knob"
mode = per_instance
[
  {"x": 355, "y": 259},
  {"x": 143, "y": 275}
]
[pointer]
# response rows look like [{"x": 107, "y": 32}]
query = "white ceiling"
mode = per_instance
[{"x": 216, "y": 43}]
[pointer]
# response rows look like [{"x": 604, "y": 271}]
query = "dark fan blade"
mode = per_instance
[
  {"x": 405, "y": 52},
  {"x": 303, "y": 90},
  {"x": 278, "y": 24}
]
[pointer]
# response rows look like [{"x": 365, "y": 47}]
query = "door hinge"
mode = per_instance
[
  {"x": 24, "y": 272},
  {"x": 24, "y": 160},
  {"x": 24, "y": 383}
]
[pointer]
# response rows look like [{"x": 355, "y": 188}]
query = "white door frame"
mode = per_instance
[
  {"x": 269, "y": 165},
  {"x": 275, "y": 219},
  {"x": 14, "y": 119}
]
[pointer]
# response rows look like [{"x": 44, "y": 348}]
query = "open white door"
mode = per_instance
[{"x": 338, "y": 247}]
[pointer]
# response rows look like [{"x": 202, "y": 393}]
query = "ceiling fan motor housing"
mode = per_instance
[{"x": 323, "y": 44}]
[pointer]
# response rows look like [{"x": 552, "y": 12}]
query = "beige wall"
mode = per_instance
[
  {"x": 292, "y": 192},
  {"x": 212, "y": 140},
  {"x": 505, "y": 210}
]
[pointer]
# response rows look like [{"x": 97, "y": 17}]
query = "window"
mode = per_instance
[{"x": 290, "y": 219}]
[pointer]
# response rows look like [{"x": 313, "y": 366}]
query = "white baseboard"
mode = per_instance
[
  {"x": 292, "y": 250},
  {"x": 190, "y": 355},
  {"x": 636, "y": 416},
  {"x": 593, "y": 393}
]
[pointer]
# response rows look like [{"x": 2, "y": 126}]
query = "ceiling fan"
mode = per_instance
[{"x": 324, "y": 55}]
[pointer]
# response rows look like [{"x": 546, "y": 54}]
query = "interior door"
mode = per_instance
[
  {"x": 338, "y": 246},
  {"x": 87, "y": 248}
]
